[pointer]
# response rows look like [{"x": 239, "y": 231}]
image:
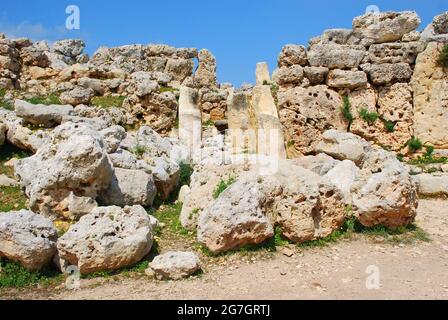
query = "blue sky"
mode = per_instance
[{"x": 239, "y": 33}]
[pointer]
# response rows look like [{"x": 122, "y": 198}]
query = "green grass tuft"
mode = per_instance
[
  {"x": 13, "y": 275},
  {"x": 169, "y": 215},
  {"x": 46, "y": 100},
  {"x": 222, "y": 186},
  {"x": 369, "y": 117},
  {"x": 108, "y": 101},
  {"x": 389, "y": 126},
  {"x": 12, "y": 199},
  {"x": 414, "y": 144},
  {"x": 186, "y": 170},
  {"x": 443, "y": 57}
]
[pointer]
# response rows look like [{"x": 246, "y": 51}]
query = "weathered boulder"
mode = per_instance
[
  {"x": 385, "y": 26},
  {"x": 393, "y": 104},
  {"x": 338, "y": 36},
  {"x": 335, "y": 56},
  {"x": 430, "y": 87},
  {"x": 440, "y": 23},
  {"x": 346, "y": 79},
  {"x": 143, "y": 83},
  {"x": 129, "y": 187},
  {"x": 78, "y": 95},
  {"x": 204, "y": 182},
  {"x": 19, "y": 135},
  {"x": 383, "y": 192},
  {"x": 387, "y": 73},
  {"x": 306, "y": 113},
  {"x": 27, "y": 238},
  {"x": 319, "y": 164},
  {"x": 292, "y": 75},
  {"x": 175, "y": 265},
  {"x": 74, "y": 160},
  {"x": 238, "y": 217},
  {"x": 109, "y": 238},
  {"x": 395, "y": 52},
  {"x": 432, "y": 185},
  {"x": 292, "y": 54},
  {"x": 343, "y": 146},
  {"x": 69, "y": 47},
  {"x": 309, "y": 207},
  {"x": 343, "y": 176},
  {"x": 47, "y": 116},
  {"x": 161, "y": 155},
  {"x": 316, "y": 75},
  {"x": 205, "y": 75},
  {"x": 112, "y": 137}
]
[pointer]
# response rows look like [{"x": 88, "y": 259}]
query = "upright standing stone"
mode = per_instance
[
  {"x": 241, "y": 132},
  {"x": 269, "y": 134},
  {"x": 430, "y": 87},
  {"x": 262, "y": 74},
  {"x": 190, "y": 123}
]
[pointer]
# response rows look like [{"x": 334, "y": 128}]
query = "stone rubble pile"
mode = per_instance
[{"x": 299, "y": 152}]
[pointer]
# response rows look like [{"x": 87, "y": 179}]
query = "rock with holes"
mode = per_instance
[
  {"x": 175, "y": 265},
  {"x": 388, "y": 73},
  {"x": 306, "y": 113},
  {"x": 239, "y": 216},
  {"x": 109, "y": 238},
  {"x": 343, "y": 146},
  {"x": 383, "y": 192},
  {"x": 292, "y": 54},
  {"x": 73, "y": 161},
  {"x": 430, "y": 88},
  {"x": 27, "y": 238},
  {"x": 309, "y": 206}
]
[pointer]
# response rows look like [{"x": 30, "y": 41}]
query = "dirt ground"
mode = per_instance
[{"x": 338, "y": 271}]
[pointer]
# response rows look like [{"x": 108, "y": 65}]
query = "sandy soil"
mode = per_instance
[{"x": 413, "y": 271}]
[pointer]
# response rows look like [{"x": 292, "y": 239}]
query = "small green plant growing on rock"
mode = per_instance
[
  {"x": 208, "y": 124},
  {"x": 369, "y": 117},
  {"x": 443, "y": 57},
  {"x": 139, "y": 150},
  {"x": 222, "y": 186},
  {"x": 389, "y": 126},
  {"x": 346, "y": 111},
  {"x": 414, "y": 144}
]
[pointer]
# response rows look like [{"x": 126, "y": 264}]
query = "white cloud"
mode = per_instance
[{"x": 37, "y": 31}]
